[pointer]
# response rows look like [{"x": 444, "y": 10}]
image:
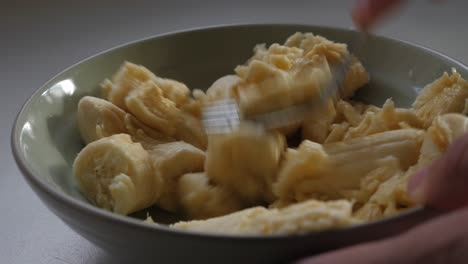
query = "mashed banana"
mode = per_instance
[{"x": 146, "y": 145}]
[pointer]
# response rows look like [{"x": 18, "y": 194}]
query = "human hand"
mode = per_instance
[
  {"x": 443, "y": 185},
  {"x": 367, "y": 13}
]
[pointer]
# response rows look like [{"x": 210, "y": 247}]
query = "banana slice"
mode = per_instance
[
  {"x": 391, "y": 196},
  {"x": 173, "y": 90},
  {"x": 190, "y": 129},
  {"x": 308, "y": 216},
  {"x": 115, "y": 174},
  {"x": 335, "y": 171},
  {"x": 200, "y": 199},
  {"x": 317, "y": 124},
  {"x": 195, "y": 106},
  {"x": 149, "y": 105},
  {"x": 246, "y": 162},
  {"x": 445, "y": 95},
  {"x": 386, "y": 119},
  {"x": 141, "y": 133},
  {"x": 130, "y": 76},
  {"x": 223, "y": 88},
  {"x": 356, "y": 77},
  {"x": 98, "y": 118},
  {"x": 169, "y": 162}
]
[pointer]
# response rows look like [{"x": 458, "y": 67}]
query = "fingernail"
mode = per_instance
[{"x": 416, "y": 185}]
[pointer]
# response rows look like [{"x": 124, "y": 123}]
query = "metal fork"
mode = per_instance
[{"x": 223, "y": 116}]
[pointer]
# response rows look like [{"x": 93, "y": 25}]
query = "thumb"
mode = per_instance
[{"x": 444, "y": 184}]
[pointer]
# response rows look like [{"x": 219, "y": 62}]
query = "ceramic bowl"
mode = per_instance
[{"x": 45, "y": 138}]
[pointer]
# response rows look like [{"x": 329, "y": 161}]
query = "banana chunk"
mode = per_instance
[
  {"x": 440, "y": 135},
  {"x": 308, "y": 216},
  {"x": 391, "y": 197},
  {"x": 335, "y": 171},
  {"x": 356, "y": 77},
  {"x": 445, "y": 95},
  {"x": 279, "y": 77},
  {"x": 130, "y": 76},
  {"x": 190, "y": 129},
  {"x": 115, "y": 174},
  {"x": 386, "y": 119},
  {"x": 223, "y": 88},
  {"x": 200, "y": 199},
  {"x": 148, "y": 104},
  {"x": 98, "y": 118},
  {"x": 317, "y": 125},
  {"x": 155, "y": 102},
  {"x": 169, "y": 162},
  {"x": 246, "y": 162}
]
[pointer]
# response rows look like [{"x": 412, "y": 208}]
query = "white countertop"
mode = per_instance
[{"x": 41, "y": 38}]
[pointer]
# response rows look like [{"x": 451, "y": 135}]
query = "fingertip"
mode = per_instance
[
  {"x": 416, "y": 183},
  {"x": 361, "y": 16}
]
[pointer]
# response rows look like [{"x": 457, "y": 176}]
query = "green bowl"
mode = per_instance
[{"x": 45, "y": 138}]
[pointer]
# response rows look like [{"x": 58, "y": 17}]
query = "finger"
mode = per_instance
[
  {"x": 369, "y": 12},
  {"x": 444, "y": 184},
  {"x": 443, "y": 240}
]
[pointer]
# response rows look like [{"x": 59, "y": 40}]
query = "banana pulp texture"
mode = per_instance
[
  {"x": 155, "y": 102},
  {"x": 343, "y": 121},
  {"x": 201, "y": 199},
  {"x": 246, "y": 161},
  {"x": 116, "y": 174},
  {"x": 356, "y": 76},
  {"x": 335, "y": 171},
  {"x": 447, "y": 94},
  {"x": 316, "y": 126},
  {"x": 130, "y": 76},
  {"x": 391, "y": 197},
  {"x": 299, "y": 218},
  {"x": 98, "y": 118},
  {"x": 294, "y": 73},
  {"x": 385, "y": 119},
  {"x": 170, "y": 161},
  {"x": 223, "y": 88}
]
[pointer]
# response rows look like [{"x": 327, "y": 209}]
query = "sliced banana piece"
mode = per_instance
[
  {"x": 174, "y": 90},
  {"x": 445, "y": 95},
  {"x": 149, "y": 105},
  {"x": 98, "y": 118},
  {"x": 190, "y": 129},
  {"x": 308, "y": 216},
  {"x": 169, "y": 162},
  {"x": 200, "y": 199},
  {"x": 335, "y": 171},
  {"x": 130, "y": 76},
  {"x": 115, "y": 173},
  {"x": 246, "y": 162},
  {"x": 391, "y": 196},
  {"x": 223, "y": 88},
  {"x": 147, "y": 136}
]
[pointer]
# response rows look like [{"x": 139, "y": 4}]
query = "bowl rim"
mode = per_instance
[{"x": 39, "y": 186}]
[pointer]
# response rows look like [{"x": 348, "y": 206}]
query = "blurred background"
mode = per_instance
[{"x": 38, "y": 39}]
